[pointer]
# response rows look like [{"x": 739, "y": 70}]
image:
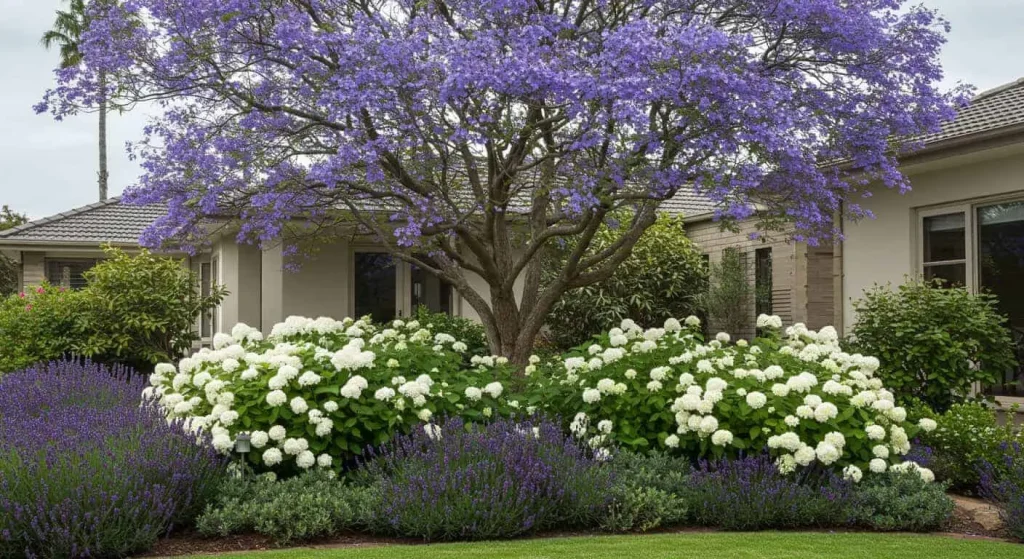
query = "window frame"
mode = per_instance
[
  {"x": 971, "y": 238},
  {"x": 47, "y": 261}
]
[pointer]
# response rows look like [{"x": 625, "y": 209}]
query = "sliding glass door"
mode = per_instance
[
  {"x": 386, "y": 288},
  {"x": 1001, "y": 272},
  {"x": 375, "y": 275}
]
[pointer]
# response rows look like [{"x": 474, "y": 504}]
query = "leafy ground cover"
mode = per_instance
[{"x": 765, "y": 545}]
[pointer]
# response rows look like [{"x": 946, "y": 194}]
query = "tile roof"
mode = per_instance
[
  {"x": 114, "y": 222},
  {"x": 992, "y": 110},
  {"x": 99, "y": 223}
]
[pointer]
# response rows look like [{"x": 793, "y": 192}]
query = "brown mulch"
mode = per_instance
[{"x": 961, "y": 525}]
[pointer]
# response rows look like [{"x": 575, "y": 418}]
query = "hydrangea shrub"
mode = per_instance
[
  {"x": 316, "y": 393},
  {"x": 794, "y": 392}
]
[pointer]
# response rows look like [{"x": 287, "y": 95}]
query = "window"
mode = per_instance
[
  {"x": 763, "y": 281},
  {"x": 981, "y": 247},
  {"x": 945, "y": 248},
  {"x": 375, "y": 291},
  {"x": 430, "y": 291},
  {"x": 68, "y": 274}
]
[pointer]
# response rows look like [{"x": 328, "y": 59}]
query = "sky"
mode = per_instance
[{"x": 47, "y": 167}]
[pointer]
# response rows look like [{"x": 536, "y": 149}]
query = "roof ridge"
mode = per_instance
[
  {"x": 57, "y": 217},
  {"x": 998, "y": 89}
]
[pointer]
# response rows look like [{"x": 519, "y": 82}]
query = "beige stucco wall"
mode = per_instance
[
  {"x": 240, "y": 274},
  {"x": 884, "y": 249},
  {"x": 320, "y": 286}
]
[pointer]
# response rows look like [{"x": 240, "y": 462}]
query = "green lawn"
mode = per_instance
[{"x": 677, "y": 546}]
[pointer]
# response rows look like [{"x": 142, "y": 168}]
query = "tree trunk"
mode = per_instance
[{"x": 103, "y": 135}]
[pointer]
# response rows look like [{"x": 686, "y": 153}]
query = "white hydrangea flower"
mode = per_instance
[
  {"x": 853, "y": 473},
  {"x": 249, "y": 374},
  {"x": 424, "y": 414},
  {"x": 604, "y": 426},
  {"x": 295, "y": 446},
  {"x": 672, "y": 441},
  {"x": 298, "y": 405},
  {"x": 324, "y": 461},
  {"x": 877, "y": 465},
  {"x": 331, "y": 406},
  {"x": 836, "y": 439},
  {"x": 277, "y": 433},
  {"x": 875, "y": 432},
  {"x": 591, "y": 395},
  {"x": 259, "y": 439},
  {"x": 272, "y": 457},
  {"x": 223, "y": 443},
  {"x": 927, "y": 425},
  {"x": 721, "y": 437},
  {"x": 756, "y": 400},
  {"x": 792, "y": 420},
  {"x": 494, "y": 389},
  {"x": 309, "y": 378},
  {"x": 804, "y": 455},
  {"x": 276, "y": 398},
  {"x": 433, "y": 431},
  {"x": 473, "y": 393},
  {"x": 654, "y": 386},
  {"x": 708, "y": 424},
  {"x": 384, "y": 393},
  {"x": 305, "y": 460},
  {"x": 825, "y": 412}
]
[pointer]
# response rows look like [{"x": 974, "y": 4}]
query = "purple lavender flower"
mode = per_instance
[
  {"x": 1003, "y": 484},
  {"x": 750, "y": 494},
  {"x": 464, "y": 481},
  {"x": 86, "y": 471}
]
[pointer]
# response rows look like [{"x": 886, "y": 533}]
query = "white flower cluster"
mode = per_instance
[
  {"x": 796, "y": 392},
  {"x": 308, "y": 384}
]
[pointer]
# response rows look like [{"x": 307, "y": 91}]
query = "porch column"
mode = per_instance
[{"x": 272, "y": 289}]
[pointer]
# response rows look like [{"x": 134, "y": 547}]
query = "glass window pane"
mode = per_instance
[
  {"x": 955, "y": 275},
  {"x": 763, "y": 281},
  {"x": 944, "y": 238},
  {"x": 1001, "y": 271},
  {"x": 375, "y": 286},
  {"x": 69, "y": 274},
  {"x": 430, "y": 291}
]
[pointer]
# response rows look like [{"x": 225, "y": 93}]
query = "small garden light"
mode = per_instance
[{"x": 242, "y": 444}]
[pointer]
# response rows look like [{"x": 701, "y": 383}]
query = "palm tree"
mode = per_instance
[{"x": 66, "y": 34}]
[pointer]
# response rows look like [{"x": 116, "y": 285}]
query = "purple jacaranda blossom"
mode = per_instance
[
  {"x": 437, "y": 127},
  {"x": 90, "y": 469}
]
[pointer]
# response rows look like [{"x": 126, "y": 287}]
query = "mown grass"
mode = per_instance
[{"x": 760, "y": 545}]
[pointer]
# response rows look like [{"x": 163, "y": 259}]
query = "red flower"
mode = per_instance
[
  {"x": 28, "y": 307},
  {"x": 22, "y": 294},
  {"x": 40, "y": 290}
]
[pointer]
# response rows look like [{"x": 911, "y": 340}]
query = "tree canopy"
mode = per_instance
[{"x": 469, "y": 136}]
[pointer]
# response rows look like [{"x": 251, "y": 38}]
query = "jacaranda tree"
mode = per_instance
[{"x": 470, "y": 135}]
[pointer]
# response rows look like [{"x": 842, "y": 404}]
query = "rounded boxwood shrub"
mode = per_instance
[
  {"x": 86, "y": 471},
  {"x": 933, "y": 343},
  {"x": 664, "y": 276},
  {"x": 317, "y": 393},
  {"x": 794, "y": 392}
]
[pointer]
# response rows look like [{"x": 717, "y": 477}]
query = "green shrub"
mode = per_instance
[
  {"x": 647, "y": 492},
  {"x": 470, "y": 332},
  {"x": 663, "y": 277},
  {"x": 901, "y": 501},
  {"x": 134, "y": 310},
  {"x": 304, "y": 507},
  {"x": 728, "y": 298},
  {"x": 8, "y": 267},
  {"x": 141, "y": 309},
  {"x": 37, "y": 326},
  {"x": 933, "y": 343},
  {"x": 798, "y": 394},
  {"x": 968, "y": 435}
]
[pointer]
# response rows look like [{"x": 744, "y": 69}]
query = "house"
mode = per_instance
[
  {"x": 350, "y": 277},
  {"x": 963, "y": 220}
]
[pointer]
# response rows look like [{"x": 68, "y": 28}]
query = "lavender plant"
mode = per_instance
[
  {"x": 1003, "y": 484},
  {"x": 751, "y": 494},
  {"x": 85, "y": 471},
  {"x": 454, "y": 480}
]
